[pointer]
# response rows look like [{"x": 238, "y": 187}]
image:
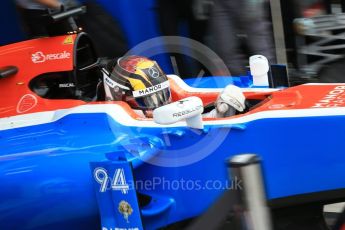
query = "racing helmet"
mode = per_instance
[{"x": 139, "y": 81}]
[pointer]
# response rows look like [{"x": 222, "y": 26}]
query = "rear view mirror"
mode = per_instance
[
  {"x": 8, "y": 71},
  {"x": 189, "y": 109},
  {"x": 259, "y": 68}
]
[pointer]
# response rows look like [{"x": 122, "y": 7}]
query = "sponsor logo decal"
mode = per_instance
[
  {"x": 68, "y": 41},
  {"x": 334, "y": 98},
  {"x": 66, "y": 85},
  {"x": 150, "y": 90},
  {"x": 112, "y": 83},
  {"x": 26, "y": 103},
  {"x": 188, "y": 111},
  {"x": 153, "y": 72},
  {"x": 40, "y": 57},
  {"x": 109, "y": 82},
  {"x": 125, "y": 209}
]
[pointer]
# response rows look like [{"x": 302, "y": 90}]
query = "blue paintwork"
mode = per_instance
[
  {"x": 110, "y": 175},
  {"x": 46, "y": 182},
  {"x": 220, "y": 81}
]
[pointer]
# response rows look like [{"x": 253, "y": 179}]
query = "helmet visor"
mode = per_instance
[{"x": 153, "y": 97}]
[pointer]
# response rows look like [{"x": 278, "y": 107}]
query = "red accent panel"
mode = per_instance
[
  {"x": 34, "y": 57},
  {"x": 38, "y": 56}
]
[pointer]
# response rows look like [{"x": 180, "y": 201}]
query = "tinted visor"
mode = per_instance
[{"x": 154, "y": 100}]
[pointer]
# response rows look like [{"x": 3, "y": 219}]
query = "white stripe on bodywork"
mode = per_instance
[
  {"x": 324, "y": 84},
  {"x": 121, "y": 116},
  {"x": 118, "y": 114},
  {"x": 188, "y": 88}
]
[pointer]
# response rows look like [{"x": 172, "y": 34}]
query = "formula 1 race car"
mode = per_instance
[{"x": 67, "y": 157}]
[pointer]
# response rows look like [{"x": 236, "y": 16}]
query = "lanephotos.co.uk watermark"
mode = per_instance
[{"x": 162, "y": 183}]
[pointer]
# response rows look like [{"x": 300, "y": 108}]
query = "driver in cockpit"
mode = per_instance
[{"x": 141, "y": 83}]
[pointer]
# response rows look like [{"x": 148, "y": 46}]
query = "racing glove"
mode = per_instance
[{"x": 230, "y": 101}]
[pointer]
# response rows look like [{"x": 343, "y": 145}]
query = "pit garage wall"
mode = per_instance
[
  {"x": 10, "y": 30},
  {"x": 137, "y": 18},
  {"x": 139, "y": 21}
]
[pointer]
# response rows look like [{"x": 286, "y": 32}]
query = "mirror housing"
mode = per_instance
[
  {"x": 189, "y": 109},
  {"x": 259, "y": 68},
  {"x": 8, "y": 71}
]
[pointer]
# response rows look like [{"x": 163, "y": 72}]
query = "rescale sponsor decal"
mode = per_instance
[{"x": 40, "y": 57}]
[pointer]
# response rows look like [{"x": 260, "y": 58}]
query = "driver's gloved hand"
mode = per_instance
[{"x": 229, "y": 102}]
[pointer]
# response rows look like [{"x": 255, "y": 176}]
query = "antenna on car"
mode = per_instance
[{"x": 67, "y": 15}]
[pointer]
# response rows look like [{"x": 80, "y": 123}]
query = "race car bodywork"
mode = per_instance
[{"x": 48, "y": 139}]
